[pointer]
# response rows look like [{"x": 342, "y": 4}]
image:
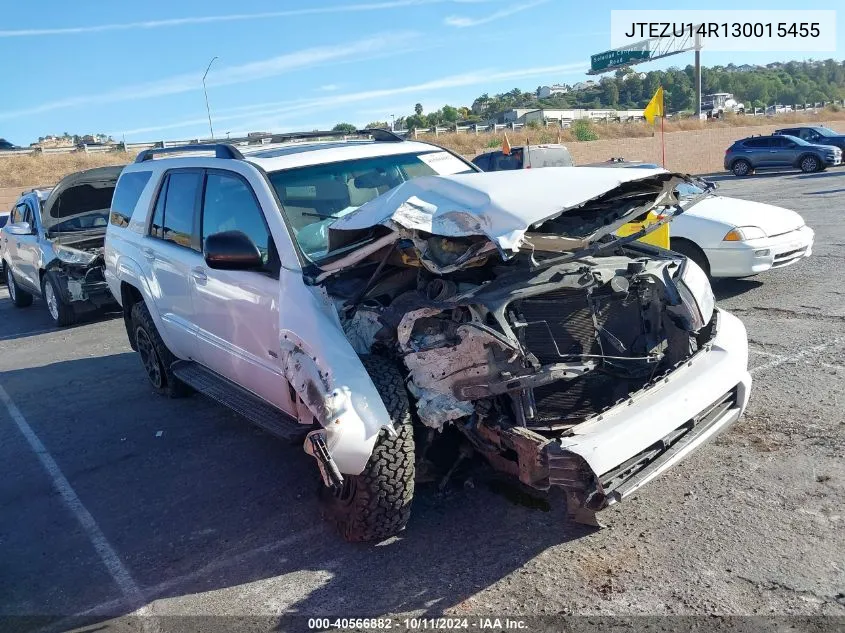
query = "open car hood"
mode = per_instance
[
  {"x": 504, "y": 206},
  {"x": 77, "y": 196}
]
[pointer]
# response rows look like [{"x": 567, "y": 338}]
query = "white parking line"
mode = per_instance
[
  {"x": 111, "y": 560},
  {"x": 796, "y": 357}
]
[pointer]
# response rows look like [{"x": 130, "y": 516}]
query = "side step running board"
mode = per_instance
[{"x": 239, "y": 400}]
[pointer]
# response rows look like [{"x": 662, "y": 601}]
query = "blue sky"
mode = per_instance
[{"x": 134, "y": 69}]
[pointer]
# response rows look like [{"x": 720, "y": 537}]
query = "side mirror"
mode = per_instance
[
  {"x": 232, "y": 250},
  {"x": 19, "y": 228}
]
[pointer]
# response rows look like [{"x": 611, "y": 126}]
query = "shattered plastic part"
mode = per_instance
[{"x": 436, "y": 408}]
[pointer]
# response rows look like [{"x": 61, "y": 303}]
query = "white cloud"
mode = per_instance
[
  {"x": 251, "y": 116},
  {"x": 209, "y": 19},
  {"x": 328, "y": 88},
  {"x": 355, "y": 51},
  {"x": 464, "y": 22}
]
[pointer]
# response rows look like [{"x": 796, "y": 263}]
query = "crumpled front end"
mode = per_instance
[{"x": 577, "y": 360}]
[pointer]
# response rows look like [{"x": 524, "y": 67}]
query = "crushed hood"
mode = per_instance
[{"x": 504, "y": 205}]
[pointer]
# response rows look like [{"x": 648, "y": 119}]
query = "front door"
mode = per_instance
[{"x": 237, "y": 312}]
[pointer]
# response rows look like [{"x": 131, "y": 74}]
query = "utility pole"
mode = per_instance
[
  {"x": 392, "y": 122},
  {"x": 698, "y": 75},
  {"x": 207, "y": 109}
]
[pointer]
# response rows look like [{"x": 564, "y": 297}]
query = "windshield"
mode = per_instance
[
  {"x": 315, "y": 196},
  {"x": 688, "y": 190}
]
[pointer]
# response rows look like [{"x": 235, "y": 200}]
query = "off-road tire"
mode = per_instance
[
  {"x": 143, "y": 326},
  {"x": 376, "y": 504},
  {"x": 741, "y": 168},
  {"x": 60, "y": 312},
  {"x": 21, "y": 298},
  {"x": 810, "y": 164},
  {"x": 691, "y": 251}
]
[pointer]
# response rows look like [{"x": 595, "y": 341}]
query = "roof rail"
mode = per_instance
[
  {"x": 221, "y": 150},
  {"x": 378, "y": 134}
]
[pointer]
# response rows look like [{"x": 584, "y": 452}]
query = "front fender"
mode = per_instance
[{"x": 327, "y": 375}]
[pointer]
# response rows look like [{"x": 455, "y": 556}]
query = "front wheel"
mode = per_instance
[
  {"x": 810, "y": 164},
  {"x": 60, "y": 311},
  {"x": 377, "y": 503},
  {"x": 21, "y": 298}
]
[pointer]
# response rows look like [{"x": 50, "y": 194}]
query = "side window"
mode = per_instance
[
  {"x": 503, "y": 162},
  {"x": 17, "y": 214},
  {"x": 158, "y": 215},
  {"x": 126, "y": 196},
  {"x": 482, "y": 161},
  {"x": 758, "y": 143},
  {"x": 173, "y": 220},
  {"x": 28, "y": 216},
  {"x": 229, "y": 205}
]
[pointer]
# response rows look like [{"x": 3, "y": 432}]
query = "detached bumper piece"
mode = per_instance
[{"x": 84, "y": 287}]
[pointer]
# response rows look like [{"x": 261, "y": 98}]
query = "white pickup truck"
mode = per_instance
[{"x": 366, "y": 294}]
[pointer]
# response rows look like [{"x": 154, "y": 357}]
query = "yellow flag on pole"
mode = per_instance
[{"x": 655, "y": 106}]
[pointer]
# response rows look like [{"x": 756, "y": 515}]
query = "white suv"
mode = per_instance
[{"x": 355, "y": 291}]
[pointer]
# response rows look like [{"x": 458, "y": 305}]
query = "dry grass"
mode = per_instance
[
  {"x": 38, "y": 169},
  {"x": 471, "y": 144}
]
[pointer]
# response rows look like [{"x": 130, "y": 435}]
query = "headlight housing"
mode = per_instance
[
  {"x": 742, "y": 233},
  {"x": 73, "y": 256},
  {"x": 696, "y": 295}
]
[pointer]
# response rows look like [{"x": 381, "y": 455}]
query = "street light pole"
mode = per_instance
[
  {"x": 207, "y": 109},
  {"x": 392, "y": 122}
]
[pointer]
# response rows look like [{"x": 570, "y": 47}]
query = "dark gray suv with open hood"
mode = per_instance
[{"x": 53, "y": 244}]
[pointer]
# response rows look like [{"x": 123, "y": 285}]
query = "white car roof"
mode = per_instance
[{"x": 290, "y": 155}]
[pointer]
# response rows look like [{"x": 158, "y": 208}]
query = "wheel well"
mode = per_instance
[
  {"x": 129, "y": 296},
  {"x": 804, "y": 155},
  {"x": 680, "y": 244}
]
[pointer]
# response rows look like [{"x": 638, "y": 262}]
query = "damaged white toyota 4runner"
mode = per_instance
[{"x": 359, "y": 291}]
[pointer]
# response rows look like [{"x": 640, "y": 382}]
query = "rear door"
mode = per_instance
[
  {"x": 760, "y": 151},
  {"x": 237, "y": 311},
  {"x": 10, "y": 242},
  {"x": 172, "y": 252}
]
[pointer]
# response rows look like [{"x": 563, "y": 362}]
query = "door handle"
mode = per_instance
[
  {"x": 199, "y": 274},
  {"x": 148, "y": 253}
]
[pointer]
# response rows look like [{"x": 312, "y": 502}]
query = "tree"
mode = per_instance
[
  {"x": 610, "y": 92},
  {"x": 379, "y": 124},
  {"x": 418, "y": 109},
  {"x": 450, "y": 114},
  {"x": 347, "y": 128}
]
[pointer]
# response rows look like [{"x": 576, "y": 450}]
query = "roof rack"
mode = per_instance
[
  {"x": 380, "y": 135},
  {"x": 221, "y": 150},
  {"x": 227, "y": 149}
]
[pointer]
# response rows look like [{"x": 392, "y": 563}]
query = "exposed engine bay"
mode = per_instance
[{"x": 518, "y": 341}]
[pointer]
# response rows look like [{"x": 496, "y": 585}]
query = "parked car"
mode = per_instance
[
  {"x": 777, "y": 151},
  {"x": 815, "y": 134},
  {"x": 525, "y": 157},
  {"x": 53, "y": 245},
  {"x": 4, "y": 219},
  {"x": 729, "y": 237},
  {"x": 356, "y": 292}
]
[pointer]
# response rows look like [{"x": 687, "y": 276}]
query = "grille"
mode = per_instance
[
  {"x": 782, "y": 258},
  {"x": 561, "y": 323}
]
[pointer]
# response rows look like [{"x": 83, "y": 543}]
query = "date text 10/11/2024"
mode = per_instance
[{"x": 419, "y": 624}]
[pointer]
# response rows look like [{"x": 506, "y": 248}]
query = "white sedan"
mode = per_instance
[{"x": 729, "y": 237}]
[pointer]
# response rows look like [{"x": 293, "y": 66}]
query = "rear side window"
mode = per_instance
[
  {"x": 482, "y": 161},
  {"x": 505, "y": 162},
  {"x": 757, "y": 143},
  {"x": 126, "y": 196},
  {"x": 175, "y": 212}
]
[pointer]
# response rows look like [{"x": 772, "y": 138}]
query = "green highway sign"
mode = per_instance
[{"x": 618, "y": 57}]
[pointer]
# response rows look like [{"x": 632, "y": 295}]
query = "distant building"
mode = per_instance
[
  {"x": 584, "y": 85},
  {"x": 554, "y": 89},
  {"x": 562, "y": 116}
]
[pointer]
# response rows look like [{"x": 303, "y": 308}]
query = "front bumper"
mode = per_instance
[
  {"x": 608, "y": 457},
  {"x": 751, "y": 257}
]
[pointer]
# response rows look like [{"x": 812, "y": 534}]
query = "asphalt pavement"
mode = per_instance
[{"x": 115, "y": 501}]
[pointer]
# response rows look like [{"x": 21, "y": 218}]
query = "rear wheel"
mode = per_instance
[
  {"x": 741, "y": 168},
  {"x": 21, "y": 298},
  {"x": 61, "y": 312},
  {"x": 155, "y": 357},
  {"x": 691, "y": 251},
  {"x": 810, "y": 164},
  {"x": 377, "y": 503}
]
